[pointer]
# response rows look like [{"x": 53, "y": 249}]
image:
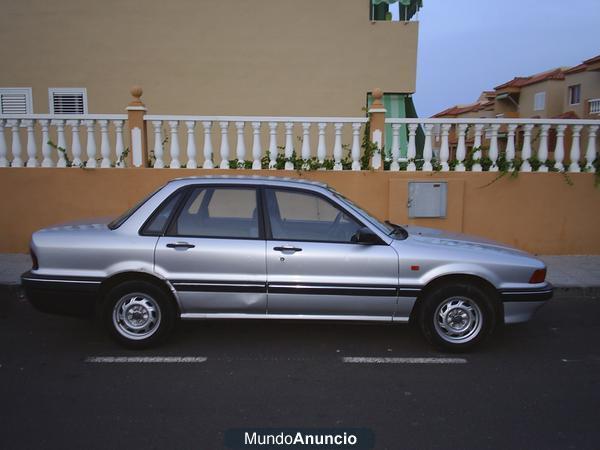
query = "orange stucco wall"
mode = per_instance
[{"x": 537, "y": 212}]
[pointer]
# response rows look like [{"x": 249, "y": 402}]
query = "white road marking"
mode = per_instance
[
  {"x": 144, "y": 359},
  {"x": 373, "y": 360}
]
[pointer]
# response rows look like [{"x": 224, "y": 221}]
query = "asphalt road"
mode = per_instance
[{"x": 533, "y": 386}]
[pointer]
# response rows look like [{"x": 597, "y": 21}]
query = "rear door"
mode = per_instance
[
  {"x": 314, "y": 268},
  {"x": 213, "y": 252}
]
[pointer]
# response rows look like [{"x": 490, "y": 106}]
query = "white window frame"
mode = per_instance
[
  {"x": 539, "y": 101},
  {"x": 570, "y": 90},
  {"x": 21, "y": 90},
  {"x": 52, "y": 91}
]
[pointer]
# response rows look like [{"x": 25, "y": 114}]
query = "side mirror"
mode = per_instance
[{"x": 366, "y": 236}]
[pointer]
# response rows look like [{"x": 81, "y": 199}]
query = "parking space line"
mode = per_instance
[
  {"x": 374, "y": 360},
  {"x": 145, "y": 359}
]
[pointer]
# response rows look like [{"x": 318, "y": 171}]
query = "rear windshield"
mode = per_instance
[{"x": 127, "y": 214}]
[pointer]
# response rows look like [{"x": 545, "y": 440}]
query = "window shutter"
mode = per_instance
[
  {"x": 13, "y": 102},
  {"x": 68, "y": 103}
]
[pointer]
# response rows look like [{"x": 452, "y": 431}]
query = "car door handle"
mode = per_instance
[
  {"x": 180, "y": 245},
  {"x": 287, "y": 248}
]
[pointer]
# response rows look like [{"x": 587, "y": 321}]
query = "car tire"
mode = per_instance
[
  {"x": 139, "y": 314},
  {"x": 457, "y": 317}
]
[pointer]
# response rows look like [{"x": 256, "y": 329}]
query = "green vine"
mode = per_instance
[{"x": 121, "y": 162}]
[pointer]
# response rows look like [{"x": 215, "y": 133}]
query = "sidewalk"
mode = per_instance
[{"x": 572, "y": 275}]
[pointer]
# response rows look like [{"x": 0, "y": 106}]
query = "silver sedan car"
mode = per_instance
[{"x": 274, "y": 248}]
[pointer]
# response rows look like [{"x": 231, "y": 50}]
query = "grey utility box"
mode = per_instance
[{"x": 427, "y": 199}]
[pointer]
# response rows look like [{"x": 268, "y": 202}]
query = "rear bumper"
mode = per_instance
[
  {"x": 71, "y": 296},
  {"x": 521, "y": 304}
]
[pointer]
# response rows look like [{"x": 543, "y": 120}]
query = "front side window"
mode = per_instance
[
  {"x": 301, "y": 216},
  {"x": 575, "y": 94},
  {"x": 219, "y": 212}
]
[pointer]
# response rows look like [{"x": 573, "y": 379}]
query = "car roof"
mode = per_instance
[{"x": 254, "y": 179}]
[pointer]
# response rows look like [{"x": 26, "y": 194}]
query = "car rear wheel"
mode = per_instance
[
  {"x": 138, "y": 314},
  {"x": 457, "y": 317}
]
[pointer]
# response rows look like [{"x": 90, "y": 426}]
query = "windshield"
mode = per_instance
[{"x": 127, "y": 214}]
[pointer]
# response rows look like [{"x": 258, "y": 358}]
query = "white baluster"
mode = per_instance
[
  {"x": 46, "y": 149},
  {"x": 16, "y": 143},
  {"x": 174, "y": 148},
  {"x": 427, "y": 150},
  {"x": 207, "y": 149},
  {"x": 510, "y": 142},
  {"x": 31, "y": 146},
  {"x": 321, "y": 147},
  {"x": 394, "y": 166},
  {"x": 191, "y": 145},
  {"x": 575, "y": 150},
  {"x": 411, "y": 152},
  {"x": 158, "y": 145},
  {"x": 461, "y": 147},
  {"x": 493, "y": 153},
  {"x": 289, "y": 145},
  {"x": 224, "y": 145},
  {"x": 590, "y": 153},
  {"x": 526, "y": 151},
  {"x": 477, "y": 145},
  {"x": 90, "y": 148},
  {"x": 445, "y": 148},
  {"x": 61, "y": 142},
  {"x": 3, "y": 159},
  {"x": 272, "y": 144},
  {"x": 75, "y": 142},
  {"x": 559, "y": 150},
  {"x": 356, "y": 146},
  {"x": 543, "y": 147},
  {"x": 306, "y": 140},
  {"x": 256, "y": 146},
  {"x": 119, "y": 147},
  {"x": 337, "y": 147},
  {"x": 104, "y": 144},
  {"x": 240, "y": 148}
]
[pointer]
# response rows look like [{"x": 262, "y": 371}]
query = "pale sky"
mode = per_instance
[{"x": 467, "y": 46}]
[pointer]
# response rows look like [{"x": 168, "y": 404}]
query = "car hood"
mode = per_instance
[{"x": 458, "y": 240}]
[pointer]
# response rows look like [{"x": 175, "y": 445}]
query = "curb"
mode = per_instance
[{"x": 577, "y": 291}]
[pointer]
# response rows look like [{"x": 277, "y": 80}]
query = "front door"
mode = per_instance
[
  {"x": 314, "y": 268},
  {"x": 213, "y": 253}
]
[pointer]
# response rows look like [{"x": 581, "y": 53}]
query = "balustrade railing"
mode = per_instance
[
  {"x": 332, "y": 143},
  {"x": 273, "y": 139},
  {"x": 56, "y": 140},
  {"x": 496, "y": 144}
]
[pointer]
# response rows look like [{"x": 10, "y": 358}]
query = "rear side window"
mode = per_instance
[
  {"x": 220, "y": 212},
  {"x": 127, "y": 214},
  {"x": 157, "y": 223}
]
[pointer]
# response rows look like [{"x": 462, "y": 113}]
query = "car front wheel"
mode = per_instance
[
  {"x": 138, "y": 314},
  {"x": 457, "y": 317}
]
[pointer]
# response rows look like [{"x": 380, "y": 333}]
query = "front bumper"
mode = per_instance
[
  {"x": 71, "y": 296},
  {"x": 521, "y": 304}
]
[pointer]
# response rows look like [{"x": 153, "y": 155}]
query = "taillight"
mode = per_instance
[
  {"x": 538, "y": 276},
  {"x": 34, "y": 260}
]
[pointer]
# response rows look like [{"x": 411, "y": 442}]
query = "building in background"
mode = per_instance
[
  {"x": 269, "y": 57},
  {"x": 562, "y": 92}
]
